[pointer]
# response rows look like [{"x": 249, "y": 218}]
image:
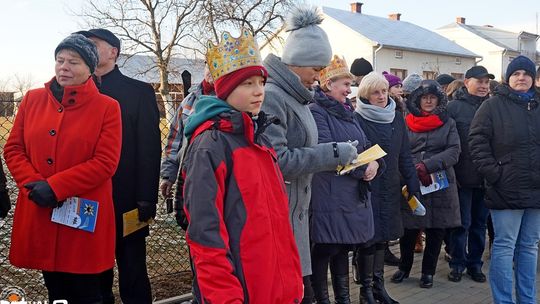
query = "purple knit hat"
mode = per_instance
[{"x": 392, "y": 79}]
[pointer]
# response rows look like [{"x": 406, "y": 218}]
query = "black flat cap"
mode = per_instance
[
  {"x": 104, "y": 35},
  {"x": 478, "y": 72}
]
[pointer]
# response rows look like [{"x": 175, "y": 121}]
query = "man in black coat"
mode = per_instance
[
  {"x": 136, "y": 181},
  {"x": 468, "y": 241}
]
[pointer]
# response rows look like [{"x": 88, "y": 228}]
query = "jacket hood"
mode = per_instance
[
  {"x": 281, "y": 76},
  {"x": 428, "y": 87},
  {"x": 207, "y": 107}
]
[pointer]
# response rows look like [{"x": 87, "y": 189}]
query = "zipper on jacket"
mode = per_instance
[{"x": 528, "y": 106}]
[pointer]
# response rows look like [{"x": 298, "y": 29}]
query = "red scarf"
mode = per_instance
[{"x": 425, "y": 123}]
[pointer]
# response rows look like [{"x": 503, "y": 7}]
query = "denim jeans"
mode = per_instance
[
  {"x": 517, "y": 233},
  {"x": 469, "y": 240}
]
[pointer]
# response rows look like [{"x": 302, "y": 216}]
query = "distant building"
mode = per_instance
[
  {"x": 497, "y": 47},
  {"x": 144, "y": 68},
  {"x": 390, "y": 44}
]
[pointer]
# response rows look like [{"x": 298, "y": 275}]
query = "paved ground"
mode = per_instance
[
  {"x": 408, "y": 292},
  {"x": 443, "y": 292}
]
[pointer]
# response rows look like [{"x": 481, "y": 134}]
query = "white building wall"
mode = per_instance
[
  {"x": 416, "y": 62},
  {"x": 346, "y": 42},
  {"x": 491, "y": 53}
]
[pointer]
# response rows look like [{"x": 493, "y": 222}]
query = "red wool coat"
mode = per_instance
[{"x": 74, "y": 145}]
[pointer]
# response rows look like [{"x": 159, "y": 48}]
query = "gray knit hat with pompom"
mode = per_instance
[
  {"x": 307, "y": 44},
  {"x": 83, "y": 46}
]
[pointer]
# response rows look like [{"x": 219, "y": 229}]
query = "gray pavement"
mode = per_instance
[{"x": 443, "y": 292}]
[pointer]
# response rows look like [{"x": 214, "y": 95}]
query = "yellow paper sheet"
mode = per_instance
[
  {"x": 369, "y": 155},
  {"x": 131, "y": 222}
]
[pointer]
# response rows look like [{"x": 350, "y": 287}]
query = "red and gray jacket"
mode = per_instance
[{"x": 239, "y": 233}]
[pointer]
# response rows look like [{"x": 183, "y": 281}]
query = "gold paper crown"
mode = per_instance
[
  {"x": 338, "y": 66},
  {"x": 232, "y": 54}
]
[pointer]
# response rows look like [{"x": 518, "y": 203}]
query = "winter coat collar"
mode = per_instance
[
  {"x": 113, "y": 72},
  {"x": 463, "y": 94},
  {"x": 333, "y": 106},
  {"x": 377, "y": 114},
  {"x": 280, "y": 75},
  {"x": 505, "y": 91},
  {"x": 207, "y": 107},
  {"x": 214, "y": 113},
  {"x": 72, "y": 96}
]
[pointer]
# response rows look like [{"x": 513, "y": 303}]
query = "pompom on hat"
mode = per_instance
[
  {"x": 234, "y": 60},
  {"x": 521, "y": 63},
  {"x": 83, "y": 46},
  {"x": 307, "y": 44}
]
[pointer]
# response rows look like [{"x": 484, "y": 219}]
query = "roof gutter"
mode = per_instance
[
  {"x": 375, "y": 56},
  {"x": 477, "y": 62},
  {"x": 502, "y": 62}
]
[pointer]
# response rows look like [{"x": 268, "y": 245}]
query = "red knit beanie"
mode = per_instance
[{"x": 225, "y": 84}]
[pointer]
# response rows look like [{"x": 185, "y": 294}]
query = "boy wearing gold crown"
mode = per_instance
[{"x": 239, "y": 234}]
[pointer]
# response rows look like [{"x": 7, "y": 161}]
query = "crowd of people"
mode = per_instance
[{"x": 254, "y": 152}]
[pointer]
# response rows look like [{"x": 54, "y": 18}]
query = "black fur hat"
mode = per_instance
[
  {"x": 361, "y": 67},
  {"x": 428, "y": 86}
]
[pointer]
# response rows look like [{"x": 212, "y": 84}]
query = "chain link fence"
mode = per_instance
[{"x": 167, "y": 254}]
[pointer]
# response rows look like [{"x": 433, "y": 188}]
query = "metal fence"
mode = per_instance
[{"x": 167, "y": 256}]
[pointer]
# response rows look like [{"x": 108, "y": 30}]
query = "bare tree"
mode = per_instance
[
  {"x": 264, "y": 18},
  {"x": 21, "y": 83},
  {"x": 155, "y": 27},
  {"x": 168, "y": 28}
]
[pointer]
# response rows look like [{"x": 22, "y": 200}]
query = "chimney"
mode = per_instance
[
  {"x": 460, "y": 20},
  {"x": 396, "y": 16},
  {"x": 356, "y": 7}
]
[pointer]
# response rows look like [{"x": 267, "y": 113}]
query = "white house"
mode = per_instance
[
  {"x": 496, "y": 46},
  {"x": 390, "y": 44}
]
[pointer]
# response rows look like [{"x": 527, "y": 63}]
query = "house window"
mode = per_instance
[
  {"x": 458, "y": 76},
  {"x": 458, "y": 61},
  {"x": 399, "y": 73},
  {"x": 399, "y": 54},
  {"x": 428, "y": 75}
]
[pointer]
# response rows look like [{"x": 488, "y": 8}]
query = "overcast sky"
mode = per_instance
[{"x": 31, "y": 29}]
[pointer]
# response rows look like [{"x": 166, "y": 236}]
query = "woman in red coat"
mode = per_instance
[{"x": 65, "y": 142}]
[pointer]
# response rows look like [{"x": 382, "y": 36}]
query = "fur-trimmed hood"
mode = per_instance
[{"x": 428, "y": 86}]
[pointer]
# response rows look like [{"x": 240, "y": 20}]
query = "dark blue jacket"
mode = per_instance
[
  {"x": 386, "y": 195},
  {"x": 462, "y": 110},
  {"x": 341, "y": 211}
]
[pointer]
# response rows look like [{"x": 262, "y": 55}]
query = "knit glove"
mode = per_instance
[
  {"x": 346, "y": 152},
  {"x": 42, "y": 194},
  {"x": 423, "y": 174},
  {"x": 147, "y": 210},
  {"x": 5, "y": 204}
]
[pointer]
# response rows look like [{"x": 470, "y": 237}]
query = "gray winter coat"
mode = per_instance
[
  {"x": 439, "y": 150},
  {"x": 295, "y": 141}
]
